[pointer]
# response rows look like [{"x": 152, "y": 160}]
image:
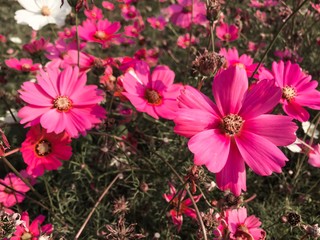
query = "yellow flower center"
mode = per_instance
[
  {"x": 45, "y": 11},
  {"x": 25, "y": 67},
  {"x": 26, "y": 236},
  {"x": 43, "y": 148},
  {"x": 153, "y": 97},
  {"x": 288, "y": 93},
  {"x": 231, "y": 124},
  {"x": 100, "y": 35},
  {"x": 62, "y": 103}
]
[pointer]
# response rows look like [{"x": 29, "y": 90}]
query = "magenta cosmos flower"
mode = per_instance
[
  {"x": 101, "y": 31},
  {"x": 23, "y": 65},
  {"x": 297, "y": 89},
  {"x": 8, "y": 197},
  {"x": 60, "y": 101},
  {"x": 43, "y": 151},
  {"x": 181, "y": 205},
  {"x": 243, "y": 227},
  {"x": 187, "y": 12},
  {"x": 235, "y": 130},
  {"x": 32, "y": 231},
  {"x": 153, "y": 94},
  {"x": 227, "y": 32}
]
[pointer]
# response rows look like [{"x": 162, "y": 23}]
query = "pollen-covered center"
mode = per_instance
[
  {"x": 43, "y": 148},
  {"x": 100, "y": 35},
  {"x": 26, "y": 236},
  {"x": 45, "y": 11},
  {"x": 25, "y": 67},
  {"x": 231, "y": 124},
  {"x": 62, "y": 103},
  {"x": 187, "y": 9},
  {"x": 153, "y": 97},
  {"x": 288, "y": 93},
  {"x": 227, "y": 36}
]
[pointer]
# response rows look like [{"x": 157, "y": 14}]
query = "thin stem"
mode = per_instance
[
  {"x": 9, "y": 109},
  {"x": 12, "y": 152},
  {"x": 95, "y": 206},
  {"x": 78, "y": 39},
  {"x": 277, "y": 35}
]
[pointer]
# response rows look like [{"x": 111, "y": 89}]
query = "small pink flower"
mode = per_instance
[
  {"x": 315, "y": 7},
  {"x": 227, "y": 33},
  {"x": 298, "y": 89},
  {"x": 61, "y": 101},
  {"x": 108, "y": 5},
  {"x": 158, "y": 23},
  {"x": 243, "y": 227},
  {"x": 67, "y": 33},
  {"x": 32, "y": 231},
  {"x": 288, "y": 55},
  {"x": 102, "y": 31},
  {"x": 232, "y": 57},
  {"x": 43, "y": 151},
  {"x": 314, "y": 156},
  {"x": 180, "y": 205},
  {"x": 3, "y": 38},
  {"x": 153, "y": 94},
  {"x": 9, "y": 197},
  {"x": 185, "y": 41},
  {"x": 135, "y": 29},
  {"x": 236, "y": 129},
  {"x": 36, "y": 46},
  {"x": 264, "y": 3},
  {"x": 129, "y": 12},
  {"x": 23, "y": 65},
  {"x": 187, "y": 12},
  {"x": 94, "y": 13},
  {"x": 150, "y": 56}
]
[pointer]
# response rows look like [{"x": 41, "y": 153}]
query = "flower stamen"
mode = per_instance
[
  {"x": 231, "y": 124},
  {"x": 100, "y": 35},
  {"x": 62, "y": 103},
  {"x": 153, "y": 97},
  {"x": 45, "y": 11},
  {"x": 288, "y": 93},
  {"x": 43, "y": 148}
]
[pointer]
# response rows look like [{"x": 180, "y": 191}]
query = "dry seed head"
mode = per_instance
[{"x": 208, "y": 63}]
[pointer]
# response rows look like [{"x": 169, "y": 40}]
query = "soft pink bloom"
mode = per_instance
[
  {"x": 135, "y": 29},
  {"x": 23, "y": 65},
  {"x": 127, "y": 1},
  {"x": 36, "y": 46},
  {"x": 254, "y": 47},
  {"x": 298, "y": 89},
  {"x": 315, "y": 7},
  {"x": 102, "y": 31},
  {"x": 3, "y": 38},
  {"x": 158, "y": 23},
  {"x": 184, "y": 13},
  {"x": 243, "y": 227},
  {"x": 9, "y": 197},
  {"x": 314, "y": 156},
  {"x": 150, "y": 56},
  {"x": 108, "y": 5},
  {"x": 61, "y": 101},
  {"x": 264, "y": 3},
  {"x": 67, "y": 33},
  {"x": 32, "y": 231},
  {"x": 236, "y": 129},
  {"x": 154, "y": 94},
  {"x": 232, "y": 57},
  {"x": 94, "y": 13},
  {"x": 185, "y": 41},
  {"x": 227, "y": 32},
  {"x": 43, "y": 151},
  {"x": 129, "y": 12},
  {"x": 180, "y": 205},
  {"x": 288, "y": 54}
]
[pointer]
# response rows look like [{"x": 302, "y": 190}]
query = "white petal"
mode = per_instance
[
  {"x": 30, "y": 5},
  {"x": 308, "y": 128}
]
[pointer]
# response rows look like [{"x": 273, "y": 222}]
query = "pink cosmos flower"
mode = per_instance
[
  {"x": 108, "y": 5},
  {"x": 264, "y": 3},
  {"x": 129, "y": 12},
  {"x": 67, "y": 33},
  {"x": 8, "y": 197},
  {"x": 3, "y": 38},
  {"x": 185, "y": 41},
  {"x": 232, "y": 57},
  {"x": 102, "y": 31},
  {"x": 32, "y": 231},
  {"x": 43, "y": 151},
  {"x": 314, "y": 156},
  {"x": 315, "y": 7},
  {"x": 23, "y": 65},
  {"x": 150, "y": 56},
  {"x": 60, "y": 101},
  {"x": 135, "y": 29},
  {"x": 298, "y": 89},
  {"x": 288, "y": 54},
  {"x": 94, "y": 13},
  {"x": 153, "y": 94},
  {"x": 227, "y": 33},
  {"x": 181, "y": 205},
  {"x": 236, "y": 129},
  {"x": 243, "y": 227},
  {"x": 36, "y": 46},
  {"x": 187, "y": 12},
  {"x": 158, "y": 23}
]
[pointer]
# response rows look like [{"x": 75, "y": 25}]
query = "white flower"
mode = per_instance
[
  {"x": 309, "y": 129},
  {"x": 38, "y": 13}
]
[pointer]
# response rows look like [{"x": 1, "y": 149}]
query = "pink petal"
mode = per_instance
[
  {"x": 260, "y": 99},
  {"x": 192, "y": 121},
  {"x": 202, "y": 144},
  {"x": 233, "y": 175},
  {"x": 67, "y": 80},
  {"x": 278, "y": 129},
  {"x": 52, "y": 121},
  {"x": 133, "y": 85},
  {"x": 296, "y": 111},
  {"x": 33, "y": 94},
  {"x": 229, "y": 88},
  {"x": 48, "y": 81},
  {"x": 262, "y": 156},
  {"x": 29, "y": 113},
  {"x": 162, "y": 78}
]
